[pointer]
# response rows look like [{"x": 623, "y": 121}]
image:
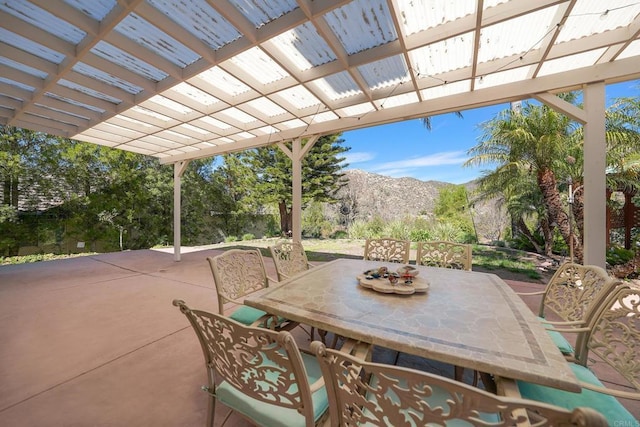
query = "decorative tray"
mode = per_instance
[{"x": 404, "y": 282}]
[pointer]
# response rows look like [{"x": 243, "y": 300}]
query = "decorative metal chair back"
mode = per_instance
[
  {"x": 574, "y": 289},
  {"x": 289, "y": 259},
  {"x": 444, "y": 254},
  {"x": 391, "y": 250},
  {"x": 366, "y": 393},
  {"x": 615, "y": 335},
  {"x": 237, "y": 272},
  {"x": 261, "y": 364}
]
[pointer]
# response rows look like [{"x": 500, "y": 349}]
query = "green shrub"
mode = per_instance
[
  {"x": 340, "y": 234},
  {"x": 617, "y": 255},
  {"x": 248, "y": 236},
  {"x": 230, "y": 239}
]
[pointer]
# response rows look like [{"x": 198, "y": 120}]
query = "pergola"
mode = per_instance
[{"x": 187, "y": 79}]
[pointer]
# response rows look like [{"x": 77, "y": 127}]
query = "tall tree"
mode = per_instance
[
  {"x": 533, "y": 140},
  {"x": 321, "y": 175}
]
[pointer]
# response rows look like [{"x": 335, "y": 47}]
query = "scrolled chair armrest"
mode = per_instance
[
  {"x": 563, "y": 323},
  {"x": 527, "y": 294}
]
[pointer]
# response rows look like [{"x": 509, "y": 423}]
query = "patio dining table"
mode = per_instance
[{"x": 469, "y": 319}]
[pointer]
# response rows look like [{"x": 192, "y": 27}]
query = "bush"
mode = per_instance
[
  {"x": 248, "y": 236},
  {"x": 230, "y": 239},
  {"x": 617, "y": 255},
  {"x": 340, "y": 234}
]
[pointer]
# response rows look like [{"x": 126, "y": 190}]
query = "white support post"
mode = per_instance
[
  {"x": 178, "y": 171},
  {"x": 296, "y": 200},
  {"x": 296, "y": 154},
  {"x": 595, "y": 152}
]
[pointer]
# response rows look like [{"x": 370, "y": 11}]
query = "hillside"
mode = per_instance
[{"x": 368, "y": 195}]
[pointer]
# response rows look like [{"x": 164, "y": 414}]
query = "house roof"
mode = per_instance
[{"x": 185, "y": 79}]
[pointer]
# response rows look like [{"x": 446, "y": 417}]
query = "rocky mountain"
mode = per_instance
[{"x": 368, "y": 195}]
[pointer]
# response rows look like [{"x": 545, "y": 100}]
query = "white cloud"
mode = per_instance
[
  {"x": 359, "y": 157},
  {"x": 437, "y": 159}
]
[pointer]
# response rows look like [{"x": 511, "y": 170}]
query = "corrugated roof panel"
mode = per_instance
[
  {"x": 498, "y": 41},
  {"x": 571, "y": 62},
  {"x": 172, "y": 105},
  {"x": 237, "y": 115},
  {"x": 201, "y": 20},
  {"x": 243, "y": 135},
  {"x": 135, "y": 123},
  {"x": 337, "y": 86},
  {"x": 88, "y": 91},
  {"x": 214, "y": 122},
  {"x": 267, "y": 130},
  {"x": 386, "y": 72},
  {"x": 362, "y": 24},
  {"x": 74, "y": 102},
  {"x": 224, "y": 140},
  {"x": 163, "y": 142},
  {"x": 266, "y": 106},
  {"x": 44, "y": 20},
  {"x": 31, "y": 47},
  {"x": 299, "y": 97},
  {"x": 504, "y": 77},
  {"x": 632, "y": 50},
  {"x": 608, "y": 15},
  {"x": 223, "y": 81},
  {"x": 176, "y": 137},
  {"x": 446, "y": 89},
  {"x": 17, "y": 84},
  {"x": 261, "y": 12},
  {"x": 94, "y": 73},
  {"x": 57, "y": 110},
  {"x": 196, "y": 94},
  {"x": 321, "y": 117},
  {"x": 119, "y": 130},
  {"x": 96, "y": 9},
  {"x": 120, "y": 57},
  {"x": 418, "y": 15},
  {"x": 356, "y": 110},
  {"x": 304, "y": 47},
  {"x": 446, "y": 55},
  {"x": 151, "y": 113},
  {"x": 398, "y": 100},
  {"x": 259, "y": 65},
  {"x": 191, "y": 128},
  {"x": 292, "y": 124},
  {"x": 23, "y": 68},
  {"x": 151, "y": 37}
]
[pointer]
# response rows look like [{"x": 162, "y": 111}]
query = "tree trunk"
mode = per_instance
[
  {"x": 547, "y": 233},
  {"x": 522, "y": 228},
  {"x": 286, "y": 224},
  {"x": 578, "y": 217},
  {"x": 6, "y": 192},
  {"x": 549, "y": 188}
]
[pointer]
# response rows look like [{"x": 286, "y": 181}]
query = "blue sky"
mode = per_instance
[{"x": 408, "y": 149}]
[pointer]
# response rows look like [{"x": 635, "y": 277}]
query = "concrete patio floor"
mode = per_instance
[{"x": 95, "y": 341}]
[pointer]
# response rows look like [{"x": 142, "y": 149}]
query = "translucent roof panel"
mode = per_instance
[
  {"x": 304, "y": 47},
  {"x": 498, "y": 41},
  {"x": 201, "y": 20},
  {"x": 96, "y": 9},
  {"x": 385, "y": 72},
  {"x": 337, "y": 86},
  {"x": 420, "y": 15},
  {"x": 144, "y": 33},
  {"x": 187, "y": 79},
  {"x": 30, "y": 46},
  {"x": 105, "y": 77},
  {"x": 120, "y": 57},
  {"x": 362, "y": 24},
  {"x": 446, "y": 55},
  {"x": 261, "y": 12},
  {"x": 595, "y": 16},
  {"x": 259, "y": 65},
  {"x": 44, "y": 20}
]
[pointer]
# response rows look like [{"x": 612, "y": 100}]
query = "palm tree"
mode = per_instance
[{"x": 531, "y": 143}]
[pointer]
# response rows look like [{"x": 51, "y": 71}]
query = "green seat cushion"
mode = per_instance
[
  {"x": 607, "y": 405},
  {"x": 269, "y": 415},
  {"x": 560, "y": 341},
  {"x": 247, "y": 315},
  {"x": 439, "y": 398}
]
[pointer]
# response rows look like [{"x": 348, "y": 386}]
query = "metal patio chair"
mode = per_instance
[{"x": 387, "y": 249}]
